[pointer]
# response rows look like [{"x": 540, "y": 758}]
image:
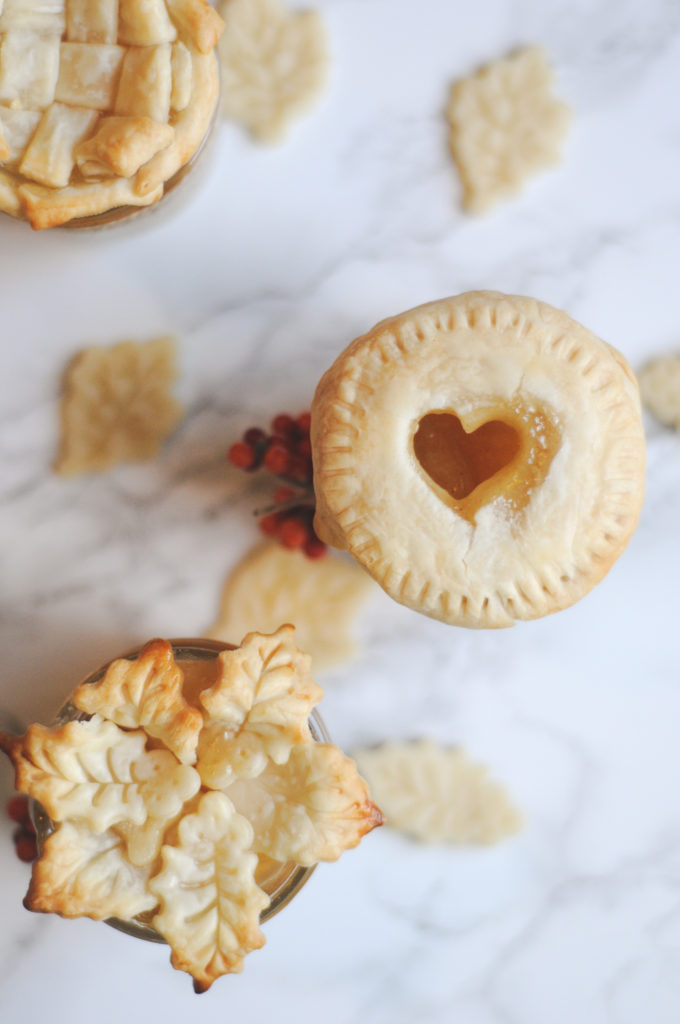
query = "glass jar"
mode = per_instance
[{"x": 280, "y": 881}]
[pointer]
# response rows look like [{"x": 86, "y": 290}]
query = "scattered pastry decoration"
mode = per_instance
[
  {"x": 273, "y": 63},
  {"x": 660, "y": 389},
  {"x": 272, "y": 585},
  {"x": 101, "y": 104},
  {"x": 506, "y": 125},
  {"x": 285, "y": 452},
  {"x": 437, "y": 794},
  {"x": 481, "y": 456},
  {"x": 117, "y": 405},
  {"x": 164, "y": 808}
]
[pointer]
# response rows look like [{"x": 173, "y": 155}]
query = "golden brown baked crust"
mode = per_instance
[
  {"x": 137, "y": 830},
  {"x": 520, "y": 538},
  {"x": 109, "y": 107}
]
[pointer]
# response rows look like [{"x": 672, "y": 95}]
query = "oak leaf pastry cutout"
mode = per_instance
[
  {"x": 257, "y": 710},
  {"x": 146, "y": 692},
  {"x": 505, "y": 126},
  {"x": 101, "y": 104},
  {"x": 322, "y": 597},
  {"x": 210, "y": 902},
  {"x": 481, "y": 456},
  {"x": 189, "y": 847},
  {"x": 273, "y": 64},
  {"x": 117, "y": 405},
  {"x": 310, "y": 809},
  {"x": 660, "y": 389},
  {"x": 437, "y": 794}
]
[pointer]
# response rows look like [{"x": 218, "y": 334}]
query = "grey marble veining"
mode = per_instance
[{"x": 272, "y": 265}]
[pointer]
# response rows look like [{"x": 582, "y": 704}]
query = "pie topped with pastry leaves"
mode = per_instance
[
  {"x": 101, "y": 102},
  {"x": 175, "y": 795}
]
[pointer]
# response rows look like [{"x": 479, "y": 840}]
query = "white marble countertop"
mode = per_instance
[{"x": 281, "y": 258}]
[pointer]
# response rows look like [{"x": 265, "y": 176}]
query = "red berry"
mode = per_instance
[
  {"x": 270, "y": 524},
  {"x": 255, "y": 436},
  {"x": 300, "y": 469},
  {"x": 242, "y": 455},
  {"x": 284, "y": 425},
  {"x": 277, "y": 459},
  {"x": 282, "y": 494},
  {"x": 304, "y": 447},
  {"x": 17, "y": 810},
  {"x": 304, "y": 421},
  {"x": 26, "y": 847},
  {"x": 315, "y": 548},
  {"x": 293, "y": 533}
]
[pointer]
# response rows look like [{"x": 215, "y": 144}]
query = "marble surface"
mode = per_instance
[{"x": 273, "y": 264}]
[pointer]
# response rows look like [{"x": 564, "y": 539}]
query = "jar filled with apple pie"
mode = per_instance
[{"x": 103, "y": 106}]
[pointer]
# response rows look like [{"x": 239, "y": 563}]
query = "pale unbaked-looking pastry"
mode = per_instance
[
  {"x": 660, "y": 389},
  {"x": 438, "y": 794},
  {"x": 101, "y": 102},
  {"x": 273, "y": 61},
  {"x": 322, "y": 596},
  {"x": 481, "y": 456},
  {"x": 506, "y": 125},
  {"x": 117, "y": 405}
]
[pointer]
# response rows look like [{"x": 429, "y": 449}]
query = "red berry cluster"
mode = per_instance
[
  {"x": 24, "y": 834},
  {"x": 287, "y": 453}
]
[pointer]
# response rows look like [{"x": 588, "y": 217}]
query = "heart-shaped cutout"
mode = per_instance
[{"x": 499, "y": 457}]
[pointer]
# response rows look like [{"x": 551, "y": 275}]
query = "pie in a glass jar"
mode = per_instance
[
  {"x": 102, "y": 102},
  {"x": 481, "y": 456}
]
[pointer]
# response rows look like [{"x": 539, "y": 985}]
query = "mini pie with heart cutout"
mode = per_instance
[{"x": 481, "y": 456}]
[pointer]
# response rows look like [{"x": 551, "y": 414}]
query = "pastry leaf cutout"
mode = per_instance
[
  {"x": 81, "y": 873},
  {"x": 210, "y": 902},
  {"x": 117, "y": 405},
  {"x": 94, "y": 773},
  {"x": 258, "y": 708},
  {"x": 273, "y": 64},
  {"x": 272, "y": 585},
  {"x": 437, "y": 794},
  {"x": 146, "y": 692},
  {"x": 310, "y": 809}
]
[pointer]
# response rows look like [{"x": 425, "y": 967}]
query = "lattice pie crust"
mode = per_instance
[{"x": 101, "y": 101}]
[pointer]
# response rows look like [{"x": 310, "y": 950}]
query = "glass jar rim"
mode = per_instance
[{"x": 196, "y": 649}]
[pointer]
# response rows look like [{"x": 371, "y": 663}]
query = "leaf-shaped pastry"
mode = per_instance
[
  {"x": 310, "y": 809},
  {"x": 257, "y": 709},
  {"x": 273, "y": 63},
  {"x": 95, "y": 773},
  {"x": 660, "y": 389},
  {"x": 146, "y": 692},
  {"x": 210, "y": 903},
  {"x": 83, "y": 874},
  {"x": 321, "y": 596},
  {"x": 117, "y": 405},
  {"x": 437, "y": 794},
  {"x": 506, "y": 125}
]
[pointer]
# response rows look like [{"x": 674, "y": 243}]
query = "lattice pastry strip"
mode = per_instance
[
  {"x": 16, "y": 131},
  {"x": 29, "y": 68},
  {"x": 144, "y": 24},
  {"x": 88, "y": 74},
  {"x": 49, "y": 158},
  {"x": 44, "y": 18},
  {"x": 92, "y": 21}
]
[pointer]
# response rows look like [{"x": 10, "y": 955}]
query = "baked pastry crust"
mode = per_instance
[
  {"x": 135, "y": 829},
  {"x": 533, "y": 536},
  {"x": 100, "y": 107}
]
